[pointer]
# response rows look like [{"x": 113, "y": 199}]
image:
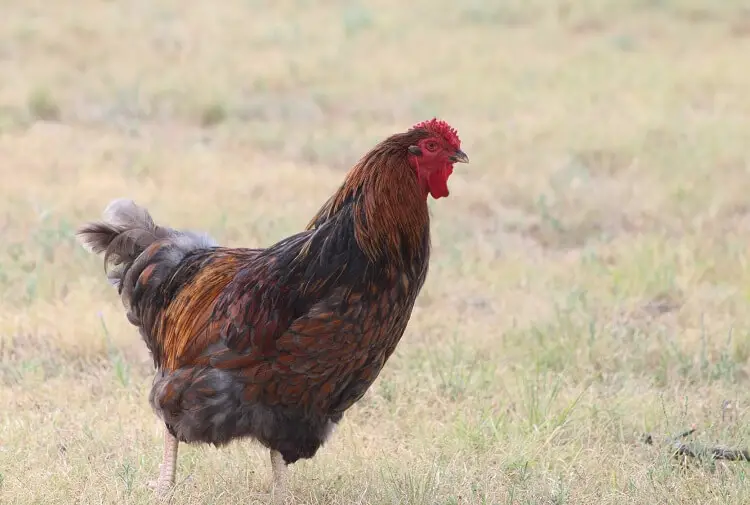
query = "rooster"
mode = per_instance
[{"x": 276, "y": 344}]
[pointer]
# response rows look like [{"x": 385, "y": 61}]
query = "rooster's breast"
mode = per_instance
[{"x": 376, "y": 320}]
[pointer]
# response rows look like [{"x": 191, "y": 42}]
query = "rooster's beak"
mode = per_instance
[{"x": 459, "y": 157}]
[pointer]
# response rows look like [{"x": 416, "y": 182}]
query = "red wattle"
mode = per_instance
[{"x": 437, "y": 182}]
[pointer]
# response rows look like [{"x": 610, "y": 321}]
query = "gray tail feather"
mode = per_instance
[{"x": 126, "y": 231}]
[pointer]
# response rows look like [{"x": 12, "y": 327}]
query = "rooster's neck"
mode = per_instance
[{"x": 389, "y": 208}]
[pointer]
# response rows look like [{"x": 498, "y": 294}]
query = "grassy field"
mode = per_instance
[{"x": 589, "y": 281}]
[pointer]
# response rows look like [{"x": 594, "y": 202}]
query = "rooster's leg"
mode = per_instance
[
  {"x": 167, "y": 467},
  {"x": 279, "y": 468}
]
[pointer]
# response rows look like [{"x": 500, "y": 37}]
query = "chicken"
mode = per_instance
[{"x": 276, "y": 344}]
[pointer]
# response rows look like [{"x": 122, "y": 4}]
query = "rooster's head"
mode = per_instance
[{"x": 432, "y": 155}]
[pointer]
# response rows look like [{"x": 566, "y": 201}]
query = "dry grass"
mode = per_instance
[{"x": 589, "y": 279}]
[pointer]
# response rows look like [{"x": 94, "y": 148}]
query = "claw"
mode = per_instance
[{"x": 160, "y": 489}]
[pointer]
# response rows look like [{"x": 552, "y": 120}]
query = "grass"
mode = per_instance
[{"x": 589, "y": 281}]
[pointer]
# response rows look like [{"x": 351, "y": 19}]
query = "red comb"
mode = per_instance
[{"x": 440, "y": 127}]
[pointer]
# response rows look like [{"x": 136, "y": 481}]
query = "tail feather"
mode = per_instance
[
  {"x": 126, "y": 231},
  {"x": 133, "y": 245}
]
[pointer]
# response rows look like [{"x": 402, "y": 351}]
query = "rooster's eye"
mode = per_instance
[{"x": 431, "y": 146}]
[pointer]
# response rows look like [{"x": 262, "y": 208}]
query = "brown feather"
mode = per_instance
[
  {"x": 389, "y": 208},
  {"x": 186, "y": 323}
]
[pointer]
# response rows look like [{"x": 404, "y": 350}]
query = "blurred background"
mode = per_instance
[{"x": 589, "y": 277}]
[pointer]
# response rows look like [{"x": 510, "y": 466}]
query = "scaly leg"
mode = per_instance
[
  {"x": 279, "y": 486},
  {"x": 167, "y": 467}
]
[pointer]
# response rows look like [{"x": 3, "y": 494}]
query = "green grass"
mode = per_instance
[{"x": 589, "y": 281}]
